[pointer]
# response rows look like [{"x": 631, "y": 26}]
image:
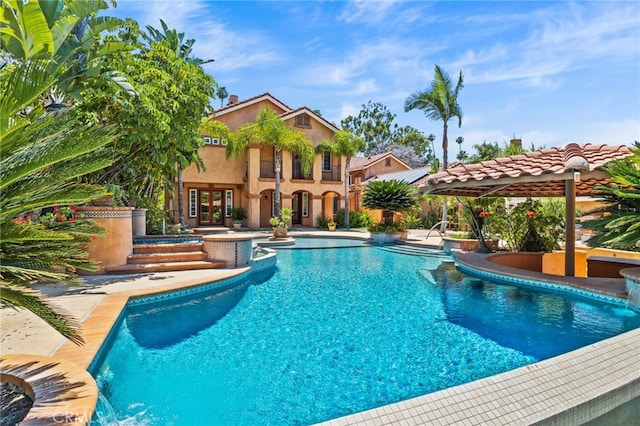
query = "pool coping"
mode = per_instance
[{"x": 540, "y": 393}]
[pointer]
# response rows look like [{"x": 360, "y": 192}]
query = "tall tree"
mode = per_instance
[
  {"x": 459, "y": 141},
  {"x": 182, "y": 49},
  {"x": 439, "y": 102},
  {"x": 222, "y": 94},
  {"x": 374, "y": 124},
  {"x": 269, "y": 129},
  {"x": 344, "y": 143}
]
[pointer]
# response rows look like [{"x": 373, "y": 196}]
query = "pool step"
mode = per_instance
[
  {"x": 187, "y": 256},
  {"x": 166, "y": 257},
  {"x": 164, "y": 267},
  {"x": 168, "y": 248},
  {"x": 412, "y": 250}
]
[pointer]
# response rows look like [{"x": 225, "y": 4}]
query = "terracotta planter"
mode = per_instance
[{"x": 279, "y": 232}]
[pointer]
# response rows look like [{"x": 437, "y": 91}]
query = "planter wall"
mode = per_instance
[
  {"x": 117, "y": 245},
  {"x": 450, "y": 244}
]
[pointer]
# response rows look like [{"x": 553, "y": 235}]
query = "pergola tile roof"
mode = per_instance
[{"x": 536, "y": 174}]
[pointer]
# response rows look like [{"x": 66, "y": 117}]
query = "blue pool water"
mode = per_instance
[{"x": 333, "y": 332}]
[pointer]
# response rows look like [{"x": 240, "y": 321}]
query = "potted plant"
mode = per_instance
[
  {"x": 281, "y": 223},
  {"x": 331, "y": 225},
  {"x": 238, "y": 214}
]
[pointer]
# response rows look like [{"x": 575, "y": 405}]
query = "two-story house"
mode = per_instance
[{"x": 249, "y": 182}]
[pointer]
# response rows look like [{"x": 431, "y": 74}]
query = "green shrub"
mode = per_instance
[
  {"x": 412, "y": 222},
  {"x": 321, "y": 221},
  {"x": 357, "y": 219}
]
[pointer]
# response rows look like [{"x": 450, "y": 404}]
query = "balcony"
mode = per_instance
[
  {"x": 297, "y": 172},
  {"x": 332, "y": 175},
  {"x": 267, "y": 169}
]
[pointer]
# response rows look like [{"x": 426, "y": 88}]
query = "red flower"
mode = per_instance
[
  {"x": 531, "y": 214},
  {"x": 485, "y": 214},
  {"x": 61, "y": 218},
  {"x": 74, "y": 208}
]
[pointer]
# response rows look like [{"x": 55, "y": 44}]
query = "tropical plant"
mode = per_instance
[
  {"x": 533, "y": 225},
  {"x": 390, "y": 197},
  {"x": 238, "y": 214},
  {"x": 344, "y": 143},
  {"x": 620, "y": 229},
  {"x": 357, "y": 218},
  {"x": 49, "y": 47},
  {"x": 282, "y": 220},
  {"x": 269, "y": 129},
  {"x": 439, "y": 102},
  {"x": 412, "y": 222}
]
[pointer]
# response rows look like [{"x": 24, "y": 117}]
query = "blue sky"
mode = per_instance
[{"x": 547, "y": 72}]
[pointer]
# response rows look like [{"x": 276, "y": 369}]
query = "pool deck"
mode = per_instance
[{"x": 592, "y": 379}]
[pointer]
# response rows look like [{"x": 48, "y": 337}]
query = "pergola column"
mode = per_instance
[{"x": 570, "y": 228}]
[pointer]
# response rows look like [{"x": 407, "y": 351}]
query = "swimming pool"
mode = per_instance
[{"x": 333, "y": 332}]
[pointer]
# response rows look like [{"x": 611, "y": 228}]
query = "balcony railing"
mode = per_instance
[
  {"x": 267, "y": 169},
  {"x": 297, "y": 173},
  {"x": 332, "y": 175}
]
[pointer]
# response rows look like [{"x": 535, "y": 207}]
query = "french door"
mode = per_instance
[{"x": 211, "y": 207}]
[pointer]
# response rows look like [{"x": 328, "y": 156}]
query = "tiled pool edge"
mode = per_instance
[{"x": 568, "y": 389}]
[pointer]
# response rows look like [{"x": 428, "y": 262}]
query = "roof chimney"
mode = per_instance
[{"x": 233, "y": 99}]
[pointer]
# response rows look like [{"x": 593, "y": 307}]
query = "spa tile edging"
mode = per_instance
[
  {"x": 506, "y": 278},
  {"x": 63, "y": 392}
]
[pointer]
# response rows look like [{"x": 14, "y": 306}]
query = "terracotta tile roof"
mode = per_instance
[
  {"x": 361, "y": 163},
  {"x": 537, "y": 174},
  {"x": 250, "y": 101},
  {"x": 304, "y": 109}
]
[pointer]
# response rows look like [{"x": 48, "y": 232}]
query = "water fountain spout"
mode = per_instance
[{"x": 633, "y": 297}]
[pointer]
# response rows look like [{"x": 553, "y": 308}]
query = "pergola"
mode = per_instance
[{"x": 568, "y": 171}]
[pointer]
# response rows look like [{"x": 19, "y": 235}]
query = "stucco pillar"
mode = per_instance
[{"x": 253, "y": 211}]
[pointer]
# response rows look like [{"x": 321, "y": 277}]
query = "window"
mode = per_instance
[
  {"x": 303, "y": 121},
  {"x": 193, "y": 203},
  {"x": 350, "y": 180},
  {"x": 305, "y": 204},
  {"x": 326, "y": 161},
  {"x": 207, "y": 140},
  {"x": 229, "y": 202},
  {"x": 223, "y": 142},
  {"x": 215, "y": 141},
  {"x": 387, "y": 162}
]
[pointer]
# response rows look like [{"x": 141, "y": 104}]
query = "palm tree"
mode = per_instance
[
  {"x": 459, "y": 141},
  {"x": 440, "y": 102},
  {"x": 269, "y": 129},
  {"x": 620, "y": 228},
  {"x": 222, "y": 94},
  {"x": 389, "y": 196},
  {"x": 344, "y": 143}
]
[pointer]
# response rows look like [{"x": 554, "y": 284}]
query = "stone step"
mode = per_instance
[
  {"x": 168, "y": 248},
  {"x": 164, "y": 267},
  {"x": 205, "y": 230},
  {"x": 189, "y": 256}
]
